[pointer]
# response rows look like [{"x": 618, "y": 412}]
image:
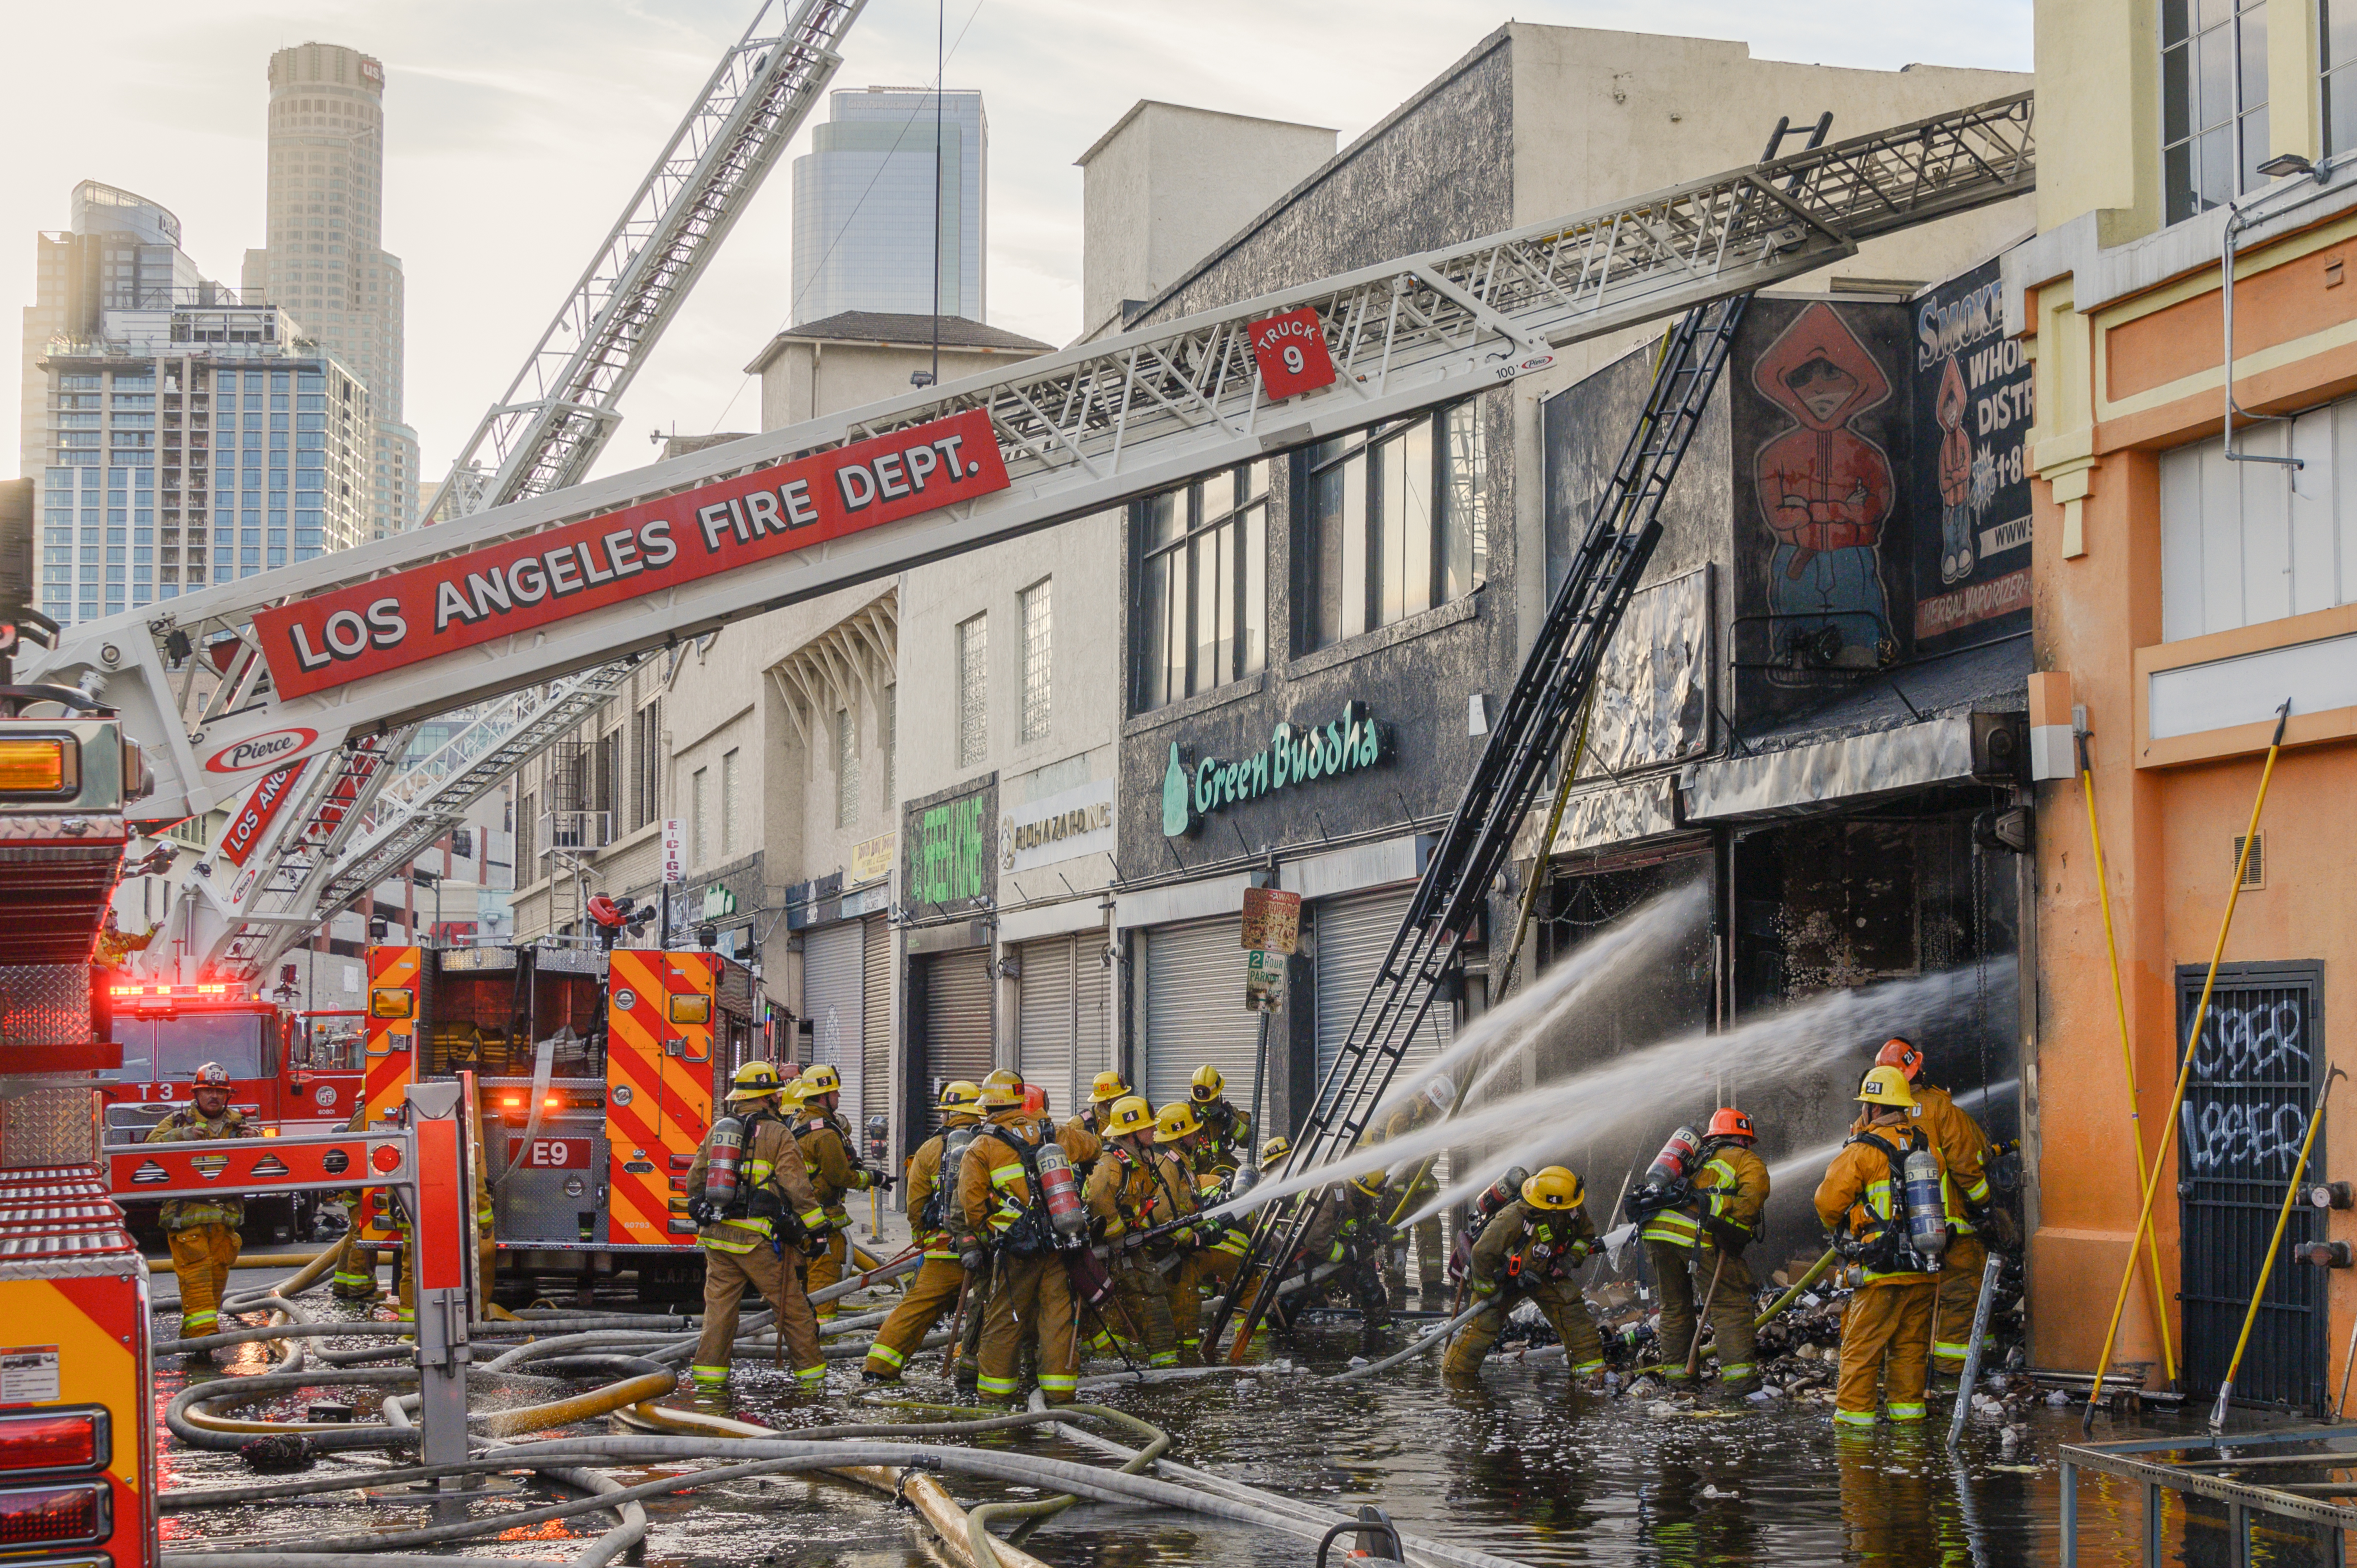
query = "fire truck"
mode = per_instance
[
  {"x": 598, "y": 1072},
  {"x": 284, "y": 1074}
]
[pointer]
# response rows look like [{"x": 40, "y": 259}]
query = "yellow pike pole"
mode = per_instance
[
  {"x": 2185, "y": 1069},
  {"x": 2127, "y": 1052},
  {"x": 2274, "y": 1245}
]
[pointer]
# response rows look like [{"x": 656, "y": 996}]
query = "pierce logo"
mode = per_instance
[{"x": 258, "y": 751}]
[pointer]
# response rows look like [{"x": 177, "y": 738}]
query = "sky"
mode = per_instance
[{"x": 516, "y": 129}]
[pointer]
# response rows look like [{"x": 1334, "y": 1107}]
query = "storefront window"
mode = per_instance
[
  {"x": 1390, "y": 523},
  {"x": 1202, "y": 585}
]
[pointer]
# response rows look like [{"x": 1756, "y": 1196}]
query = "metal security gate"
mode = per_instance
[
  {"x": 875, "y": 1018},
  {"x": 834, "y": 996},
  {"x": 1195, "y": 1011},
  {"x": 1351, "y": 936},
  {"x": 1061, "y": 1026},
  {"x": 956, "y": 1026},
  {"x": 2254, "y": 1083}
]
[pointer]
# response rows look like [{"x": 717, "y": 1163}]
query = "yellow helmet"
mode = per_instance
[
  {"x": 1208, "y": 1085},
  {"x": 1276, "y": 1148},
  {"x": 819, "y": 1079},
  {"x": 1554, "y": 1188},
  {"x": 1129, "y": 1114},
  {"x": 1371, "y": 1184},
  {"x": 960, "y": 1098},
  {"x": 997, "y": 1094},
  {"x": 754, "y": 1080},
  {"x": 1007, "y": 1076},
  {"x": 1176, "y": 1120},
  {"x": 1107, "y": 1087},
  {"x": 1887, "y": 1086}
]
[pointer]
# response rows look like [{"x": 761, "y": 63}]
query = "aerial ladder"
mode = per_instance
[
  {"x": 367, "y": 809},
  {"x": 542, "y": 589}
]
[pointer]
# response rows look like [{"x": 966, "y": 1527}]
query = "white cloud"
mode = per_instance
[{"x": 515, "y": 131}]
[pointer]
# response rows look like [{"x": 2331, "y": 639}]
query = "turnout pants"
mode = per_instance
[
  {"x": 355, "y": 1277},
  {"x": 1140, "y": 1310},
  {"x": 201, "y": 1255},
  {"x": 827, "y": 1267},
  {"x": 1885, "y": 1337},
  {"x": 1033, "y": 1302},
  {"x": 725, "y": 1275},
  {"x": 1682, "y": 1276},
  {"x": 1206, "y": 1271},
  {"x": 934, "y": 1292},
  {"x": 1960, "y": 1295},
  {"x": 1583, "y": 1348}
]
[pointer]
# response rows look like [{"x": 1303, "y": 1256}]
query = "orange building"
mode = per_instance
[{"x": 2188, "y": 582}]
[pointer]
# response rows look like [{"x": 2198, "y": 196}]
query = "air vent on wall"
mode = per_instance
[{"x": 2254, "y": 875}]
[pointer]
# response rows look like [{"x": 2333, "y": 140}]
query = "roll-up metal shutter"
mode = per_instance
[
  {"x": 1093, "y": 1033},
  {"x": 1352, "y": 935},
  {"x": 835, "y": 998},
  {"x": 1047, "y": 1019},
  {"x": 957, "y": 1024},
  {"x": 876, "y": 1019},
  {"x": 1195, "y": 1011}
]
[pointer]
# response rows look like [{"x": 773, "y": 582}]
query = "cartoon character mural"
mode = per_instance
[
  {"x": 1956, "y": 507},
  {"x": 1825, "y": 491}
]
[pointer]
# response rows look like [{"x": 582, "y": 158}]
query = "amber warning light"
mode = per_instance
[{"x": 40, "y": 765}]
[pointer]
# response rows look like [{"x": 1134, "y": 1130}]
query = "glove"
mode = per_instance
[
  {"x": 883, "y": 1181},
  {"x": 1184, "y": 1238},
  {"x": 1730, "y": 1237},
  {"x": 700, "y": 1211}
]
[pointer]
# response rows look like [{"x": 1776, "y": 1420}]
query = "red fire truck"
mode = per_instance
[{"x": 598, "y": 1076}]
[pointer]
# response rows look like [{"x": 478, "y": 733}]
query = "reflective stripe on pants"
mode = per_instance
[
  {"x": 934, "y": 1292},
  {"x": 1887, "y": 1338},
  {"x": 201, "y": 1255},
  {"x": 725, "y": 1275}
]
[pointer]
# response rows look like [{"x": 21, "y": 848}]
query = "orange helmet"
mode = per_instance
[
  {"x": 1900, "y": 1052},
  {"x": 1730, "y": 1122}
]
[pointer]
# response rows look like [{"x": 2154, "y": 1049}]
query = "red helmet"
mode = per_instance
[
  {"x": 1730, "y": 1122},
  {"x": 1900, "y": 1052}
]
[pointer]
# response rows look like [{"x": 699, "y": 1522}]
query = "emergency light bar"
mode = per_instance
[{"x": 167, "y": 993}]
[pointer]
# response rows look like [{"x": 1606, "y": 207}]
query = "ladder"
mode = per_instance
[
  {"x": 1078, "y": 431},
  {"x": 1623, "y": 527},
  {"x": 542, "y": 436}
]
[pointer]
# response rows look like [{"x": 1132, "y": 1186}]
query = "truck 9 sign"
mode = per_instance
[{"x": 1290, "y": 350}]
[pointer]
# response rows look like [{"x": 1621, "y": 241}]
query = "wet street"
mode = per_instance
[{"x": 1524, "y": 1468}]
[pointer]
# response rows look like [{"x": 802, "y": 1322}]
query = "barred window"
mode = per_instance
[
  {"x": 847, "y": 768},
  {"x": 699, "y": 839},
  {"x": 730, "y": 833},
  {"x": 1039, "y": 631},
  {"x": 974, "y": 691}
]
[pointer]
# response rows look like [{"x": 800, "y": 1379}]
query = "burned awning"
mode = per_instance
[{"x": 1908, "y": 729}]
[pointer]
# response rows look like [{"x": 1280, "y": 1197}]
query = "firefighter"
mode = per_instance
[
  {"x": 1533, "y": 1247},
  {"x": 1272, "y": 1156},
  {"x": 1127, "y": 1196},
  {"x": 355, "y": 1277},
  {"x": 826, "y": 1144},
  {"x": 1228, "y": 1128},
  {"x": 940, "y": 1278},
  {"x": 1107, "y": 1089},
  {"x": 1349, "y": 1230},
  {"x": 203, "y": 1230},
  {"x": 1887, "y": 1329},
  {"x": 1410, "y": 1185},
  {"x": 1079, "y": 1142},
  {"x": 1208, "y": 1254},
  {"x": 1696, "y": 1251},
  {"x": 1964, "y": 1152},
  {"x": 744, "y": 1240},
  {"x": 1031, "y": 1297}
]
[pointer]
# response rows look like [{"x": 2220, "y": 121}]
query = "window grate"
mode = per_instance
[
  {"x": 2255, "y": 874},
  {"x": 1038, "y": 634},
  {"x": 974, "y": 691}
]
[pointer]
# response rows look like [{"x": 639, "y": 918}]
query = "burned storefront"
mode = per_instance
[{"x": 1814, "y": 717}]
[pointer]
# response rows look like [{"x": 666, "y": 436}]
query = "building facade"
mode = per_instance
[
  {"x": 891, "y": 205},
  {"x": 325, "y": 257},
  {"x": 2193, "y": 572}
]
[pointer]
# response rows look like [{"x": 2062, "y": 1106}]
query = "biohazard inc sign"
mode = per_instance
[{"x": 522, "y": 583}]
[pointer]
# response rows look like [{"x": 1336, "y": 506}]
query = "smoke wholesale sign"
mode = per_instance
[
  {"x": 522, "y": 583},
  {"x": 261, "y": 809}
]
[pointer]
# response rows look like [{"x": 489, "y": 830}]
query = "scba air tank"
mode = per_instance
[
  {"x": 1502, "y": 1192},
  {"x": 724, "y": 1153},
  {"x": 1927, "y": 1207},
  {"x": 1676, "y": 1158},
  {"x": 1059, "y": 1190}
]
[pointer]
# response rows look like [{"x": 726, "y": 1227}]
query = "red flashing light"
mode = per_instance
[
  {"x": 386, "y": 1158},
  {"x": 73, "y": 1515},
  {"x": 55, "y": 1440},
  {"x": 513, "y": 1100},
  {"x": 551, "y": 1101}
]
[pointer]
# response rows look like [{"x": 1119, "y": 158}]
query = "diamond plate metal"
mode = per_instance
[
  {"x": 55, "y": 1125},
  {"x": 44, "y": 1003}
]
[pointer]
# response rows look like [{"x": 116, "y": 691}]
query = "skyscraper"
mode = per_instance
[
  {"x": 324, "y": 261},
  {"x": 864, "y": 207},
  {"x": 182, "y": 438}
]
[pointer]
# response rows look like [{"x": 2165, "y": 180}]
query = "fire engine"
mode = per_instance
[{"x": 596, "y": 1072}]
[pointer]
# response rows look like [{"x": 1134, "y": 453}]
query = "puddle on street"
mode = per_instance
[{"x": 1524, "y": 1467}]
